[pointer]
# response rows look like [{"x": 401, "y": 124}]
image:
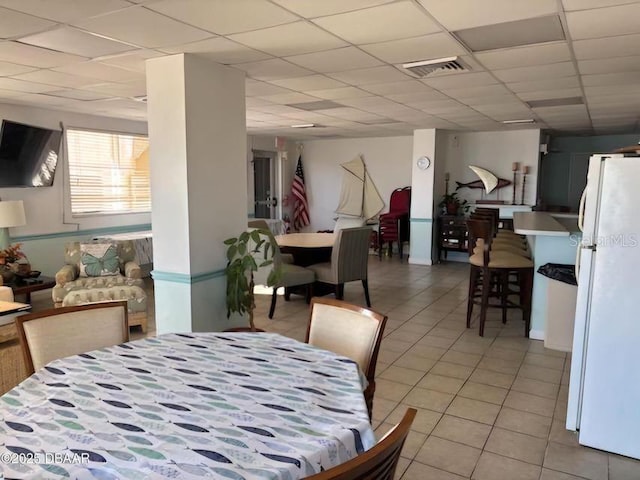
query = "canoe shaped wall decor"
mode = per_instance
[{"x": 488, "y": 180}]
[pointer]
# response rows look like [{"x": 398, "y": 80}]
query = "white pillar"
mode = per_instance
[
  {"x": 197, "y": 138},
  {"x": 424, "y": 144}
]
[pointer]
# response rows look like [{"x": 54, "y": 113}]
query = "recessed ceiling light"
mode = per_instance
[
  {"x": 304, "y": 125},
  {"x": 529, "y": 31},
  {"x": 555, "y": 102},
  {"x": 522, "y": 120}
]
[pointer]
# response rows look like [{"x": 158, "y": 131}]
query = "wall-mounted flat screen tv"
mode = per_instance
[{"x": 28, "y": 155}]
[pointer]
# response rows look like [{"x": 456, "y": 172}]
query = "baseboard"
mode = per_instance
[
  {"x": 536, "y": 334},
  {"x": 420, "y": 261}
]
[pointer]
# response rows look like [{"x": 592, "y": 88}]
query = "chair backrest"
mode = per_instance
[
  {"x": 350, "y": 254},
  {"x": 348, "y": 222},
  {"x": 260, "y": 277},
  {"x": 6, "y": 293},
  {"x": 377, "y": 463},
  {"x": 61, "y": 332},
  {"x": 480, "y": 228},
  {"x": 493, "y": 213},
  {"x": 400, "y": 200},
  {"x": 346, "y": 329},
  {"x": 126, "y": 251},
  {"x": 258, "y": 223}
]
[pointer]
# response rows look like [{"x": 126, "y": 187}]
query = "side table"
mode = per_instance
[{"x": 28, "y": 285}]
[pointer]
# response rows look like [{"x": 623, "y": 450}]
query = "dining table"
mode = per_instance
[
  {"x": 307, "y": 248},
  {"x": 185, "y": 406}
]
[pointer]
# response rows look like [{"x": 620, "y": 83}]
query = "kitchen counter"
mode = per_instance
[{"x": 553, "y": 238}]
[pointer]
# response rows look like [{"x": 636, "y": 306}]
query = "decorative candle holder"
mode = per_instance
[
  {"x": 514, "y": 168},
  {"x": 446, "y": 183},
  {"x": 525, "y": 171}
]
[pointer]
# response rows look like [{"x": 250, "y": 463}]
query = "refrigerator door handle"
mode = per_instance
[
  {"x": 578, "y": 260},
  {"x": 583, "y": 201}
]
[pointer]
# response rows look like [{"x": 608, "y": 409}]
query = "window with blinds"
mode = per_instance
[{"x": 108, "y": 172}]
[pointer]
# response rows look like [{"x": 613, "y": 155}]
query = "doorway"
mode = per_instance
[{"x": 265, "y": 200}]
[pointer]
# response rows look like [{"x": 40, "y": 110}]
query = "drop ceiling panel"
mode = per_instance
[
  {"x": 7, "y": 94},
  {"x": 409, "y": 86},
  {"x": 40, "y": 99},
  {"x": 338, "y": 93},
  {"x": 34, "y": 56},
  {"x": 604, "y": 22},
  {"x": 426, "y": 47},
  {"x": 7, "y": 69},
  {"x": 24, "y": 86},
  {"x": 525, "y": 56},
  {"x": 366, "y": 76},
  {"x": 65, "y": 10},
  {"x": 274, "y": 69},
  {"x": 459, "y": 14},
  {"x": 433, "y": 106},
  {"x": 548, "y": 84},
  {"x": 618, "y": 46},
  {"x": 142, "y": 27},
  {"x": 570, "y": 5},
  {"x": 99, "y": 71},
  {"x": 310, "y": 82},
  {"x": 254, "y": 88},
  {"x": 72, "y": 40},
  {"x": 484, "y": 90},
  {"x": 288, "y": 98},
  {"x": 611, "y": 79},
  {"x": 373, "y": 101},
  {"x": 315, "y": 8},
  {"x": 224, "y": 17},
  {"x": 609, "y": 65},
  {"x": 373, "y": 25},
  {"x": 291, "y": 39},
  {"x": 15, "y": 24},
  {"x": 547, "y": 94},
  {"x": 118, "y": 89},
  {"x": 50, "y": 77},
  {"x": 410, "y": 98},
  {"x": 538, "y": 72},
  {"x": 504, "y": 99},
  {"x": 220, "y": 50},
  {"x": 460, "y": 80},
  {"x": 83, "y": 95},
  {"x": 631, "y": 88},
  {"x": 134, "y": 61},
  {"x": 347, "y": 58}
]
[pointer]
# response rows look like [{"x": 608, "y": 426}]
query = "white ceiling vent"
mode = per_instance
[{"x": 424, "y": 68}]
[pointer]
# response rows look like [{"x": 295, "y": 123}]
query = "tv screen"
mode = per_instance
[{"x": 28, "y": 155}]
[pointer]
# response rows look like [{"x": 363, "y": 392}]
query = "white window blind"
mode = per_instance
[{"x": 108, "y": 172}]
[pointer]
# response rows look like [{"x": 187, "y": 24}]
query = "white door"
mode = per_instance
[{"x": 610, "y": 410}]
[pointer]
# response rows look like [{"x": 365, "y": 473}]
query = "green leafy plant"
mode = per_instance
[
  {"x": 453, "y": 204},
  {"x": 245, "y": 255}
]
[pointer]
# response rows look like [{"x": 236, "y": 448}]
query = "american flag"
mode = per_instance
[{"x": 301, "y": 208}]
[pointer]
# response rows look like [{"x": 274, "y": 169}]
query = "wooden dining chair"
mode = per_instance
[
  {"x": 61, "y": 332},
  {"x": 349, "y": 330},
  {"x": 378, "y": 463}
]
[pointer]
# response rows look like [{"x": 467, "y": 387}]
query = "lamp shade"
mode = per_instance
[{"x": 12, "y": 214}]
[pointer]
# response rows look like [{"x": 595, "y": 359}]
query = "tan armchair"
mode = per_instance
[
  {"x": 349, "y": 261},
  {"x": 71, "y": 289}
]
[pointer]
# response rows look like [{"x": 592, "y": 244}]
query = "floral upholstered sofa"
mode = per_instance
[{"x": 90, "y": 277}]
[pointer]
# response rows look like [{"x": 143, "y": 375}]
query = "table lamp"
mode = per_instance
[{"x": 11, "y": 215}]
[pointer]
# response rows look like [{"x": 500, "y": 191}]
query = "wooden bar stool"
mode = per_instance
[
  {"x": 511, "y": 244},
  {"x": 489, "y": 276}
]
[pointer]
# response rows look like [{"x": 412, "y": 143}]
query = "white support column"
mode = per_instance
[
  {"x": 197, "y": 138},
  {"x": 424, "y": 144}
]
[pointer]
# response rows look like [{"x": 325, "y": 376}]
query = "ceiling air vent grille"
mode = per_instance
[{"x": 424, "y": 68}]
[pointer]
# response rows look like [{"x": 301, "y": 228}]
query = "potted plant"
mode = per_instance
[
  {"x": 453, "y": 204},
  {"x": 12, "y": 261},
  {"x": 245, "y": 255}
]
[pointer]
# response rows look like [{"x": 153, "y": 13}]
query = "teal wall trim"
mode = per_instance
[
  {"x": 88, "y": 232},
  {"x": 185, "y": 277},
  {"x": 422, "y": 220}
]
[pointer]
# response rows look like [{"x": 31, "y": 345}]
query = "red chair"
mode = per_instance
[{"x": 394, "y": 226}]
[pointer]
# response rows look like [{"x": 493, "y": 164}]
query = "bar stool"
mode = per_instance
[
  {"x": 514, "y": 244},
  {"x": 495, "y": 213},
  {"x": 489, "y": 276}
]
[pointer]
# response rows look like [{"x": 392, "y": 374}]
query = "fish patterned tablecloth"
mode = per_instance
[{"x": 186, "y": 406}]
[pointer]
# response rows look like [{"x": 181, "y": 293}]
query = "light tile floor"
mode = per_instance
[{"x": 489, "y": 408}]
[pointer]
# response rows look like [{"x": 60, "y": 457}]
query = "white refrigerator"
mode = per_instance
[{"x": 604, "y": 388}]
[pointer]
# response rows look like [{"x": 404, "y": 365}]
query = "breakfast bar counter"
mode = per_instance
[{"x": 552, "y": 238}]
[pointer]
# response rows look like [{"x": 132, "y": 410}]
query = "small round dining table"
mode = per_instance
[{"x": 307, "y": 248}]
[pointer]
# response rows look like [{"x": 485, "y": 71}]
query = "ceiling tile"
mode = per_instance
[
  {"x": 410, "y": 98},
  {"x": 315, "y": 8},
  {"x": 15, "y": 24},
  {"x": 621, "y": 46},
  {"x": 118, "y": 89},
  {"x": 365, "y": 102},
  {"x": 23, "y": 86},
  {"x": 611, "y": 79},
  {"x": 224, "y": 17},
  {"x": 460, "y": 80},
  {"x": 254, "y": 88},
  {"x": 99, "y": 71},
  {"x": 65, "y": 10},
  {"x": 366, "y": 76},
  {"x": 408, "y": 86},
  {"x": 413, "y": 49},
  {"x": 438, "y": 105},
  {"x": 537, "y": 72},
  {"x": 50, "y": 77},
  {"x": 482, "y": 90},
  {"x": 220, "y": 50},
  {"x": 379, "y": 24},
  {"x": 347, "y": 58},
  {"x": 142, "y": 27},
  {"x": 630, "y": 88},
  {"x": 72, "y": 40},
  {"x": 570, "y": 5},
  {"x": 134, "y": 61},
  {"x": 547, "y": 84},
  {"x": 459, "y": 14},
  {"x": 310, "y": 82},
  {"x": 41, "y": 99},
  {"x": 288, "y": 98},
  {"x": 273, "y": 69},
  {"x": 291, "y": 39},
  {"x": 525, "y": 56},
  {"x": 338, "y": 93},
  {"x": 7, "y": 69},
  {"x": 604, "y": 22},
  {"x": 5, "y": 94},
  {"x": 609, "y": 65},
  {"x": 34, "y": 56},
  {"x": 503, "y": 99},
  {"x": 547, "y": 94},
  {"x": 78, "y": 94}
]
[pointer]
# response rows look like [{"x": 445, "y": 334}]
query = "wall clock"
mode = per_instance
[{"x": 423, "y": 163}]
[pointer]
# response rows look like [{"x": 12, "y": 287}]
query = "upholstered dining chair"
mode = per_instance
[
  {"x": 377, "y": 463},
  {"x": 6, "y": 294},
  {"x": 348, "y": 330},
  {"x": 349, "y": 261},
  {"x": 61, "y": 332}
]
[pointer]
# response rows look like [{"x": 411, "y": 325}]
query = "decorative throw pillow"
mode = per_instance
[{"x": 98, "y": 260}]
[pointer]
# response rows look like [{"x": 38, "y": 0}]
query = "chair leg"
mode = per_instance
[
  {"x": 380, "y": 245},
  {"x": 368, "y": 396},
  {"x": 365, "y": 285},
  {"x": 274, "y": 299},
  {"x": 339, "y": 291},
  {"x": 400, "y": 249},
  {"x": 473, "y": 280},
  {"x": 527, "y": 285},
  {"x": 504, "y": 293},
  {"x": 287, "y": 294},
  {"x": 486, "y": 290}
]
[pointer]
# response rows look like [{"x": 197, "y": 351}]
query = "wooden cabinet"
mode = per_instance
[{"x": 452, "y": 234}]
